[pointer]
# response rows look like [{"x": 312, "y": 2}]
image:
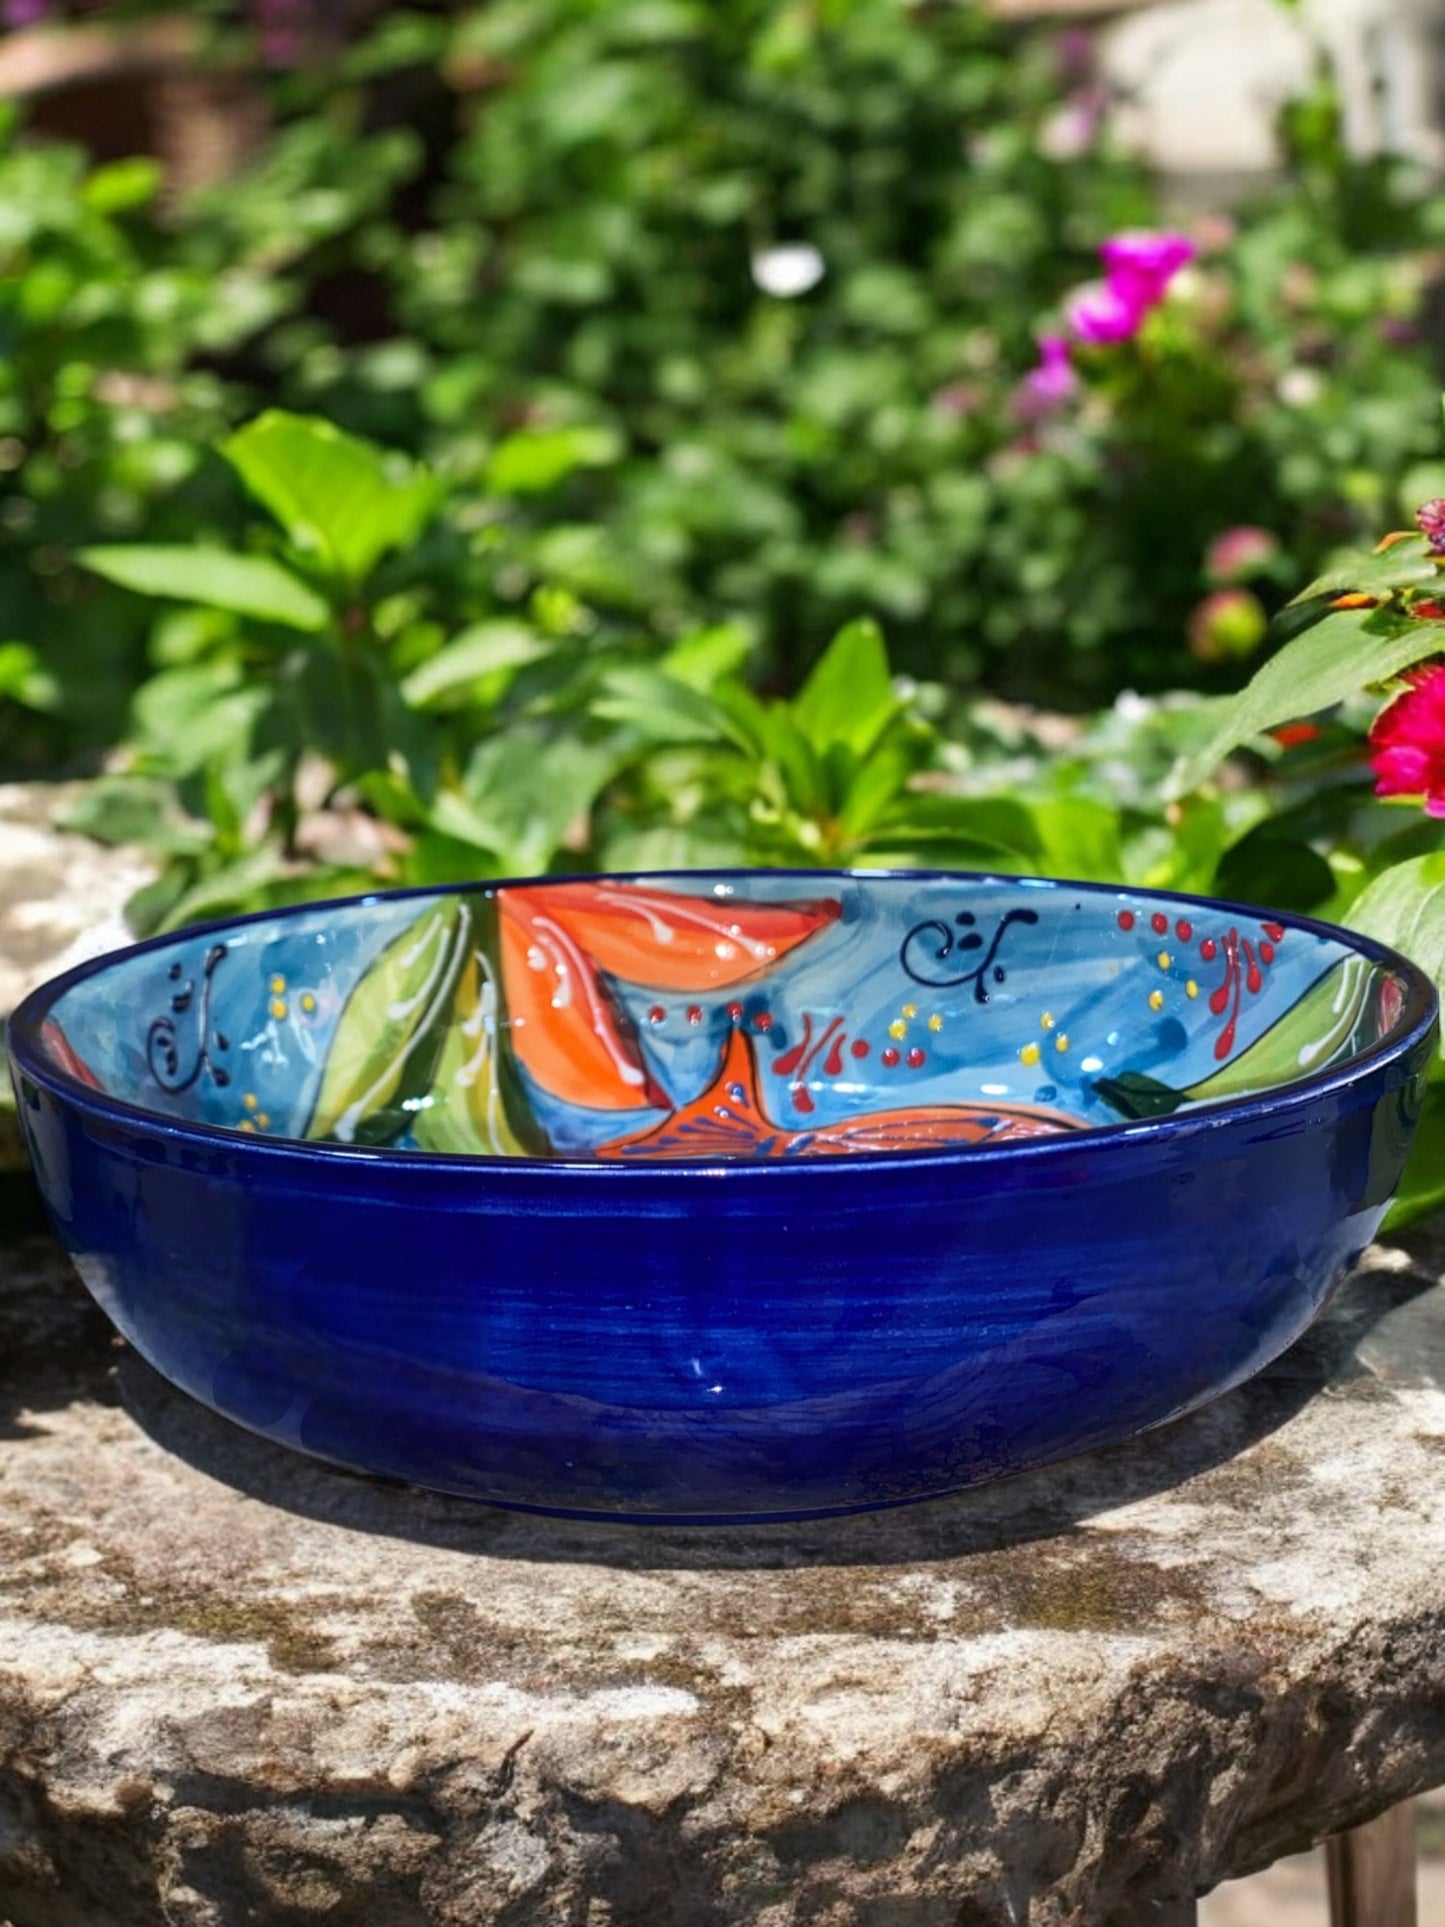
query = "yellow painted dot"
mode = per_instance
[
  {"x": 1165, "y": 960},
  {"x": 250, "y": 1100},
  {"x": 1061, "y": 1042},
  {"x": 1191, "y": 989},
  {"x": 247, "y": 1125},
  {"x": 278, "y": 1008},
  {"x": 308, "y": 1002},
  {"x": 278, "y": 984},
  {"x": 1029, "y": 1054},
  {"x": 935, "y": 1022},
  {"x": 261, "y": 1120},
  {"x": 1156, "y": 1000},
  {"x": 1048, "y": 1020},
  {"x": 910, "y": 1010},
  {"x": 898, "y": 1028}
]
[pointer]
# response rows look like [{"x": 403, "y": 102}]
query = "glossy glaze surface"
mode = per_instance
[{"x": 722, "y": 1196}]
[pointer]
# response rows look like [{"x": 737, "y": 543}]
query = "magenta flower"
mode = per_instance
[
  {"x": 1143, "y": 264},
  {"x": 25, "y": 13},
  {"x": 1407, "y": 741},
  {"x": 1050, "y": 384},
  {"x": 1430, "y": 520},
  {"x": 1102, "y": 314},
  {"x": 1138, "y": 268}
]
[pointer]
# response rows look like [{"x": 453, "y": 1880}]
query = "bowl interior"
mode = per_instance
[{"x": 753, "y": 1015}]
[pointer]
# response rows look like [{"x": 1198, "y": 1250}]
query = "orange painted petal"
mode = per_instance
[
  {"x": 565, "y": 1028},
  {"x": 933, "y": 1128},
  {"x": 670, "y": 941}
]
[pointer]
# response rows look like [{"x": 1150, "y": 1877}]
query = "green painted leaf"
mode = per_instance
[
  {"x": 1405, "y": 908},
  {"x": 248, "y": 585},
  {"x": 487, "y": 649},
  {"x": 849, "y": 697},
  {"x": 392, "y": 1031},
  {"x": 1348, "y": 651},
  {"x": 466, "y": 1110},
  {"x": 341, "y": 499},
  {"x": 1335, "y": 1018}
]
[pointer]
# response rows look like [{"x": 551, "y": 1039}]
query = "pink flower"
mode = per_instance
[
  {"x": 1142, "y": 264},
  {"x": 1239, "y": 554},
  {"x": 1101, "y": 315},
  {"x": 1138, "y": 267},
  {"x": 1407, "y": 741},
  {"x": 1430, "y": 520},
  {"x": 1050, "y": 385}
]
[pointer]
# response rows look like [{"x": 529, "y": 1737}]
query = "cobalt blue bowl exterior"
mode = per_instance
[{"x": 720, "y": 1340}]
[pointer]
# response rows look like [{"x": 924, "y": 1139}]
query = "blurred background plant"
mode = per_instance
[{"x": 519, "y": 462}]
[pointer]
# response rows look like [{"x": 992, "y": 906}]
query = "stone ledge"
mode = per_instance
[{"x": 235, "y": 1685}]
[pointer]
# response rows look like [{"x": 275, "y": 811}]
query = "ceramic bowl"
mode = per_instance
[{"x": 722, "y": 1195}]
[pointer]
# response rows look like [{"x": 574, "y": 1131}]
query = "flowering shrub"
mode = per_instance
[{"x": 1372, "y": 625}]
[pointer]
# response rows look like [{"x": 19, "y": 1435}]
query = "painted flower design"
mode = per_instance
[
  {"x": 560, "y": 945},
  {"x": 1407, "y": 741}
]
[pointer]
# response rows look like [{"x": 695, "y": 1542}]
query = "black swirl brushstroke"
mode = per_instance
[
  {"x": 941, "y": 942},
  {"x": 174, "y": 1064}
]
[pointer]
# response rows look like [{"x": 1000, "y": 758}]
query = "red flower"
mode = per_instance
[{"x": 1407, "y": 741}]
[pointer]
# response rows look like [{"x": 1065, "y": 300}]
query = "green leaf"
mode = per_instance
[
  {"x": 235, "y": 887},
  {"x": 709, "y": 656},
  {"x": 1405, "y": 908},
  {"x": 1279, "y": 872},
  {"x": 849, "y": 697},
  {"x": 1404, "y": 565},
  {"x": 538, "y": 459},
  {"x": 248, "y": 585},
  {"x": 340, "y": 499},
  {"x": 392, "y": 1030},
  {"x": 1422, "y": 1189},
  {"x": 487, "y": 649},
  {"x": 185, "y": 717},
  {"x": 136, "y": 809},
  {"x": 523, "y": 797},
  {"x": 660, "y": 708},
  {"x": 1348, "y": 651},
  {"x": 122, "y": 186},
  {"x": 24, "y": 679}
]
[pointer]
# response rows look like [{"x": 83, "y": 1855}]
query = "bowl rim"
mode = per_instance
[{"x": 1418, "y": 1017}]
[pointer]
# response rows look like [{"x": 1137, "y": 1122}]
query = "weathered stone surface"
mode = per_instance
[{"x": 237, "y": 1687}]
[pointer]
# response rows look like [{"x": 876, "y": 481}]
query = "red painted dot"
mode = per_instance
[
  {"x": 764, "y": 1020},
  {"x": 1126, "y": 919},
  {"x": 1266, "y": 953},
  {"x": 694, "y": 1013},
  {"x": 889, "y": 1057},
  {"x": 916, "y": 1057},
  {"x": 656, "y": 1014},
  {"x": 859, "y": 1047},
  {"x": 1159, "y": 923},
  {"x": 735, "y": 1011},
  {"x": 1184, "y": 930},
  {"x": 1209, "y": 950},
  {"x": 1274, "y": 931}
]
